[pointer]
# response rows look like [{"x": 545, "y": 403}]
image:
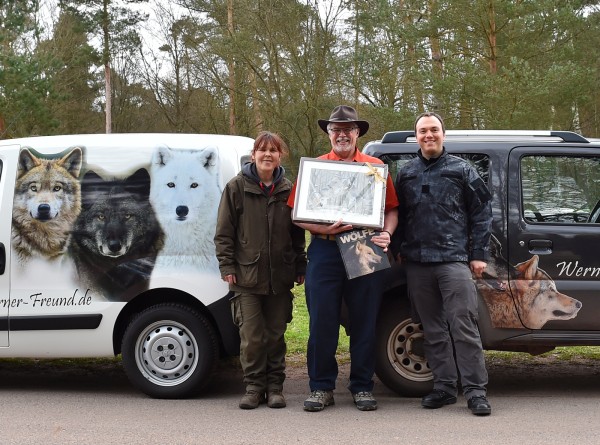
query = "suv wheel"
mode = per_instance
[
  {"x": 169, "y": 351},
  {"x": 401, "y": 363}
]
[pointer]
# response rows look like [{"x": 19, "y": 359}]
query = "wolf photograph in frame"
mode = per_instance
[{"x": 328, "y": 191}]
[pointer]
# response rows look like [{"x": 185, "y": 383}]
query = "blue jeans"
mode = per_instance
[{"x": 326, "y": 287}]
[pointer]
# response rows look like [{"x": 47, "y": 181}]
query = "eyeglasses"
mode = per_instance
[{"x": 341, "y": 130}]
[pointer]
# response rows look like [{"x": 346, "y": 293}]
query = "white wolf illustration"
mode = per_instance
[{"x": 185, "y": 193}]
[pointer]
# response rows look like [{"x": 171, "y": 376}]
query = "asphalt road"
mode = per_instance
[{"x": 553, "y": 403}]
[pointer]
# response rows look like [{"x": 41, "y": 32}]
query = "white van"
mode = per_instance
[{"x": 106, "y": 248}]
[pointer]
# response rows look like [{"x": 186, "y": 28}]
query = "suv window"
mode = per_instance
[
  {"x": 560, "y": 189},
  {"x": 481, "y": 163}
]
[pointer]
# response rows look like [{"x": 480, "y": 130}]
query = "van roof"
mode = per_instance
[{"x": 173, "y": 140}]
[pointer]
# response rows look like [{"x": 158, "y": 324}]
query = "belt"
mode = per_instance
[{"x": 327, "y": 237}]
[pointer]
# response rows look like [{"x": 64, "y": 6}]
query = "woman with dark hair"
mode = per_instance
[{"x": 261, "y": 253}]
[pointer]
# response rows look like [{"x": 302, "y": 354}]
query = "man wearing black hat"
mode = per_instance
[{"x": 326, "y": 284}]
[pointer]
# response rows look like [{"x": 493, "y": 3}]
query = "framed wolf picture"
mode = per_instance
[{"x": 328, "y": 191}]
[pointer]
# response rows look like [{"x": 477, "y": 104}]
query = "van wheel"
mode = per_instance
[
  {"x": 400, "y": 360},
  {"x": 169, "y": 351}
]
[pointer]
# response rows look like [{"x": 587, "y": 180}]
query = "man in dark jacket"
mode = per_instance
[{"x": 443, "y": 231}]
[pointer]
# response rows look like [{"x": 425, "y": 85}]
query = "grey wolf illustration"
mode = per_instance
[
  {"x": 527, "y": 298},
  {"x": 361, "y": 259},
  {"x": 185, "y": 192},
  {"x": 47, "y": 202},
  {"x": 329, "y": 192},
  {"x": 116, "y": 237}
]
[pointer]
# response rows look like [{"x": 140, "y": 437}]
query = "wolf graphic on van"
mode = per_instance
[
  {"x": 528, "y": 297},
  {"x": 185, "y": 193},
  {"x": 47, "y": 202},
  {"x": 116, "y": 237}
]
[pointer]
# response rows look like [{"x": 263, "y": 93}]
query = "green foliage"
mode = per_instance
[
  {"x": 24, "y": 89},
  {"x": 297, "y": 332},
  {"x": 570, "y": 353},
  {"x": 283, "y": 64}
]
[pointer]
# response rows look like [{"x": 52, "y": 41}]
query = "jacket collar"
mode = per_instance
[{"x": 432, "y": 160}]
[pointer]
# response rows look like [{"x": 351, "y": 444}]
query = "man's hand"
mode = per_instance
[
  {"x": 323, "y": 229},
  {"x": 477, "y": 267},
  {"x": 382, "y": 239}
]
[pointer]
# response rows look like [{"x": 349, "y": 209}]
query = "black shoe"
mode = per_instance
[
  {"x": 479, "y": 406},
  {"x": 437, "y": 398}
]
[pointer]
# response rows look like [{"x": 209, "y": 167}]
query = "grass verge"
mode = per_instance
[{"x": 296, "y": 335}]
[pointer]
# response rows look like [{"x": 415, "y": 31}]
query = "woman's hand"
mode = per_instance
[{"x": 230, "y": 278}]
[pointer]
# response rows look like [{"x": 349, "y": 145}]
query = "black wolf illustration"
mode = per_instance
[{"x": 117, "y": 236}]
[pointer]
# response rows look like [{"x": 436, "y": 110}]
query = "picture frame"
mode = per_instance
[{"x": 327, "y": 191}]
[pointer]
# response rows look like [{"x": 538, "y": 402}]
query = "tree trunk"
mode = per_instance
[
  {"x": 108, "y": 110},
  {"x": 492, "y": 38},
  {"x": 106, "y": 60},
  {"x": 256, "y": 108},
  {"x": 436, "y": 55},
  {"x": 231, "y": 68},
  {"x": 2, "y": 127}
]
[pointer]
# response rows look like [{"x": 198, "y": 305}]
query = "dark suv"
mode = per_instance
[{"x": 542, "y": 282}]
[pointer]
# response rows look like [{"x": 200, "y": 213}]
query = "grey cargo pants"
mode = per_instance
[{"x": 445, "y": 298}]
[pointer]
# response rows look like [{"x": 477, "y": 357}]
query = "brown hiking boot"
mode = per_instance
[
  {"x": 275, "y": 399},
  {"x": 251, "y": 400}
]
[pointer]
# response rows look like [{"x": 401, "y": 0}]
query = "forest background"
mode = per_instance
[{"x": 242, "y": 66}]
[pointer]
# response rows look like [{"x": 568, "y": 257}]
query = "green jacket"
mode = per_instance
[{"x": 255, "y": 238}]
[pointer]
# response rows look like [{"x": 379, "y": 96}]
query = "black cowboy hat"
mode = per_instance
[{"x": 342, "y": 114}]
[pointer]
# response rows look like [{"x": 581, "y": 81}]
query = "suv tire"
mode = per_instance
[{"x": 400, "y": 362}]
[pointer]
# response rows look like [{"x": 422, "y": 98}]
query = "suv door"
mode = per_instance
[{"x": 553, "y": 236}]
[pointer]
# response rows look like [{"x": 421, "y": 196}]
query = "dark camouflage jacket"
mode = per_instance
[{"x": 445, "y": 211}]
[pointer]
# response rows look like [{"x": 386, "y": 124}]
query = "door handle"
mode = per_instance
[
  {"x": 2, "y": 259},
  {"x": 540, "y": 246}
]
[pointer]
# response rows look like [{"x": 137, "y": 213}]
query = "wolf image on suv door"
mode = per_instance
[{"x": 522, "y": 295}]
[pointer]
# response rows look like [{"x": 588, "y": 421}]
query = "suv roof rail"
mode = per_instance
[{"x": 565, "y": 136}]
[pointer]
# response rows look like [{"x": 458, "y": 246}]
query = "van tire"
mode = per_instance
[
  {"x": 400, "y": 362},
  {"x": 169, "y": 351}
]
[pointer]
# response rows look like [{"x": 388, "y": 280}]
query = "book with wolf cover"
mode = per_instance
[{"x": 360, "y": 254}]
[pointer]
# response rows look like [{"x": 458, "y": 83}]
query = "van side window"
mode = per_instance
[{"x": 560, "y": 189}]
